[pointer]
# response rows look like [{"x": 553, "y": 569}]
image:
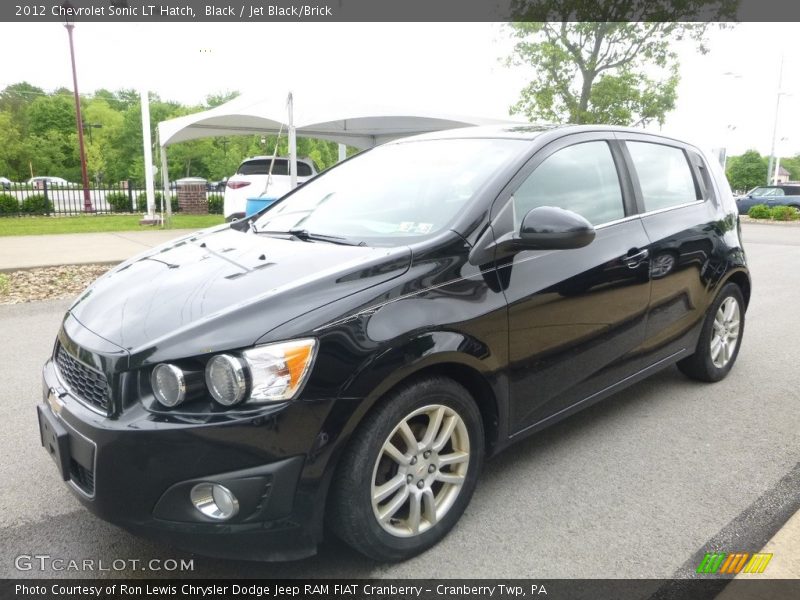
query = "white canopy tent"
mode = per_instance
[{"x": 351, "y": 123}]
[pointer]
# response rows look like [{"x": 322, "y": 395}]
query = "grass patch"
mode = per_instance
[{"x": 97, "y": 223}]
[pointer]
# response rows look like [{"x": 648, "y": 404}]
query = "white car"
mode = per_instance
[
  {"x": 5, "y": 183},
  {"x": 38, "y": 182},
  {"x": 250, "y": 181}
]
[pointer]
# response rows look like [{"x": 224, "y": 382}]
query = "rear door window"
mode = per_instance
[{"x": 665, "y": 177}]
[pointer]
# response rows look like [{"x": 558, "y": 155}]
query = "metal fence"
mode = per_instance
[{"x": 44, "y": 198}]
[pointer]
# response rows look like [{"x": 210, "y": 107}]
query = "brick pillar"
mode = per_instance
[{"x": 192, "y": 198}]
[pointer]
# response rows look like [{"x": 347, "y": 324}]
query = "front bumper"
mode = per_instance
[{"x": 136, "y": 469}]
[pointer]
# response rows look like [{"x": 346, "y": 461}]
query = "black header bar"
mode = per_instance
[
  {"x": 397, "y": 10},
  {"x": 396, "y": 589}
]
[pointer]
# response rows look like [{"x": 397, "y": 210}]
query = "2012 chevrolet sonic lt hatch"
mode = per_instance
[{"x": 345, "y": 360}]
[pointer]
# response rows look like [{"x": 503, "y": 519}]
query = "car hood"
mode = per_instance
[{"x": 222, "y": 289}]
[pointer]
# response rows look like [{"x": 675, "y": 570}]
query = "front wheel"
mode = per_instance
[
  {"x": 409, "y": 471},
  {"x": 720, "y": 338}
]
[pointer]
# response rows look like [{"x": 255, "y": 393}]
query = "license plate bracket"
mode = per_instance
[{"x": 55, "y": 440}]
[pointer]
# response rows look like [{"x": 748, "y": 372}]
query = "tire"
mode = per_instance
[
  {"x": 713, "y": 359},
  {"x": 434, "y": 404}
]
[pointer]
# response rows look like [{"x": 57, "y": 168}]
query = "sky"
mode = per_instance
[{"x": 726, "y": 98}]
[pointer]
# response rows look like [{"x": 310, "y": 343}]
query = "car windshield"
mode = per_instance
[{"x": 393, "y": 192}]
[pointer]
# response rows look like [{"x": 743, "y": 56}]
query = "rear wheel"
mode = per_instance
[
  {"x": 720, "y": 338},
  {"x": 409, "y": 471}
]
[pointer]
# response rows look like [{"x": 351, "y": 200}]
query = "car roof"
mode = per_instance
[
  {"x": 305, "y": 160},
  {"x": 526, "y": 131}
]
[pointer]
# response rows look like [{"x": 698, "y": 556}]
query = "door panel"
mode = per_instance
[
  {"x": 574, "y": 318},
  {"x": 686, "y": 261},
  {"x": 676, "y": 198}
]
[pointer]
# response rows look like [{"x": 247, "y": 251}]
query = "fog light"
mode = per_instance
[{"x": 214, "y": 501}]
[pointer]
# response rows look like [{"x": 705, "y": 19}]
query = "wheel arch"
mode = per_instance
[
  {"x": 741, "y": 279},
  {"x": 477, "y": 384},
  {"x": 473, "y": 381}
]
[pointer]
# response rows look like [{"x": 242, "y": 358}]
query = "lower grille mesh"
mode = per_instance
[{"x": 82, "y": 477}]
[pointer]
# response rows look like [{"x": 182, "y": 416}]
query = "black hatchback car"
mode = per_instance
[{"x": 345, "y": 360}]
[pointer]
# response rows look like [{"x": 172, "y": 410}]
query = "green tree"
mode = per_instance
[
  {"x": 49, "y": 154},
  {"x": 746, "y": 171},
  {"x": 120, "y": 100},
  {"x": 104, "y": 126},
  {"x": 10, "y": 165},
  {"x": 47, "y": 113},
  {"x": 591, "y": 65},
  {"x": 214, "y": 100},
  {"x": 15, "y": 100}
]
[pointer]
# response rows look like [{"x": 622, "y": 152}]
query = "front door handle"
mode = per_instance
[{"x": 634, "y": 260}]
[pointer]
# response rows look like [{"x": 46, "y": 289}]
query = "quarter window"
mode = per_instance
[
  {"x": 582, "y": 178},
  {"x": 665, "y": 176}
]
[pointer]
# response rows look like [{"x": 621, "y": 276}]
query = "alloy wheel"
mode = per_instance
[
  {"x": 726, "y": 332},
  {"x": 420, "y": 470}
]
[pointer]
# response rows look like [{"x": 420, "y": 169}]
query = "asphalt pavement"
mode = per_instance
[{"x": 637, "y": 486}]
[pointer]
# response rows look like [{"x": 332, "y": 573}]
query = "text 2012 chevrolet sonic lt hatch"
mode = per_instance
[{"x": 344, "y": 361}]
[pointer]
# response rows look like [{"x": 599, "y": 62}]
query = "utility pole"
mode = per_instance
[
  {"x": 69, "y": 25},
  {"x": 775, "y": 125}
]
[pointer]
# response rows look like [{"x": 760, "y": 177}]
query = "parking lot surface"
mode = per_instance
[{"x": 635, "y": 486}]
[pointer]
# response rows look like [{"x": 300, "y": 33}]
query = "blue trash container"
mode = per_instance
[{"x": 254, "y": 205}]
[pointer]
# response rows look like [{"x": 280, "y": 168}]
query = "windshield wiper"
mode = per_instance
[{"x": 307, "y": 236}]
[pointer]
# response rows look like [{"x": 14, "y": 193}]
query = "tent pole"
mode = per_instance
[
  {"x": 148, "y": 154},
  {"x": 292, "y": 145},
  {"x": 165, "y": 182}
]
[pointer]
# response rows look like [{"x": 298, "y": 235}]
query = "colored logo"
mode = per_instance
[{"x": 733, "y": 563}]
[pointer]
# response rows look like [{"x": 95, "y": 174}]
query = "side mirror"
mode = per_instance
[
  {"x": 543, "y": 228},
  {"x": 552, "y": 228}
]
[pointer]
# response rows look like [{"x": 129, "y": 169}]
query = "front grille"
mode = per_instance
[
  {"x": 82, "y": 477},
  {"x": 88, "y": 385}
]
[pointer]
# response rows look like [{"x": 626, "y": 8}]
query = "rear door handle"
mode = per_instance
[{"x": 634, "y": 260}]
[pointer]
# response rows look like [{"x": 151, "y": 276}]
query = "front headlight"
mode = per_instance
[
  {"x": 169, "y": 384},
  {"x": 173, "y": 385},
  {"x": 270, "y": 373},
  {"x": 277, "y": 371},
  {"x": 226, "y": 380}
]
